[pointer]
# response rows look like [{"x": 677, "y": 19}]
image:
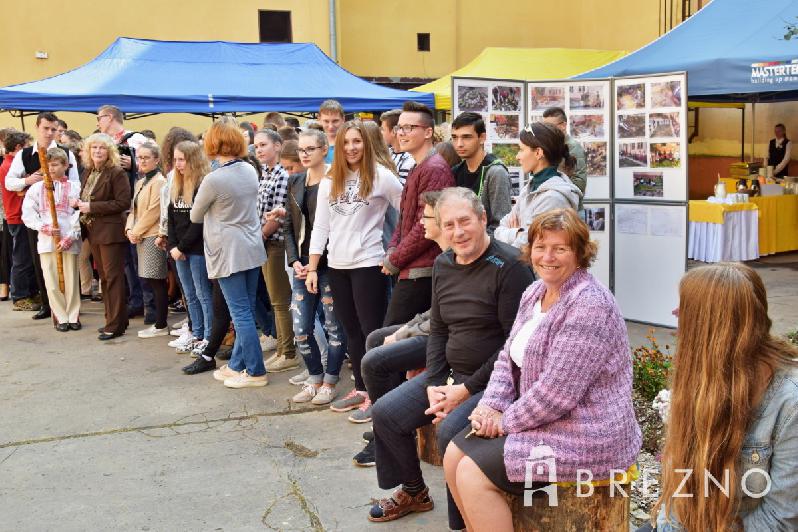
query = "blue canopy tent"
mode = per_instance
[
  {"x": 732, "y": 50},
  {"x": 147, "y": 76}
]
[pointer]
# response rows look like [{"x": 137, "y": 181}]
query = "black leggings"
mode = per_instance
[
  {"x": 5, "y": 255},
  {"x": 359, "y": 299},
  {"x": 160, "y": 299},
  {"x": 221, "y": 320}
]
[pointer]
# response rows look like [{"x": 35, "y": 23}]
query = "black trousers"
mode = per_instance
[
  {"x": 6, "y": 244},
  {"x": 33, "y": 241},
  {"x": 359, "y": 299},
  {"x": 384, "y": 366},
  {"x": 410, "y": 297},
  {"x": 160, "y": 299},
  {"x": 221, "y": 320}
]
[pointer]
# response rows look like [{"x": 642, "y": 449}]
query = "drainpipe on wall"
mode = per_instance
[{"x": 333, "y": 33}]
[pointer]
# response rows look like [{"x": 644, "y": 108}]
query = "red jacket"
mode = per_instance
[
  {"x": 409, "y": 253},
  {"x": 12, "y": 201}
]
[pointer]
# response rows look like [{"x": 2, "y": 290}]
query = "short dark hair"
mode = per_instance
[
  {"x": 14, "y": 139},
  {"x": 426, "y": 112},
  {"x": 73, "y": 135},
  {"x": 50, "y": 117},
  {"x": 469, "y": 119},
  {"x": 557, "y": 112},
  {"x": 331, "y": 106},
  {"x": 62, "y": 124},
  {"x": 292, "y": 121},
  {"x": 287, "y": 133},
  {"x": 430, "y": 197},
  {"x": 392, "y": 117},
  {"x": 150, "y": 134},
  {"x": 781, "y": 126}
]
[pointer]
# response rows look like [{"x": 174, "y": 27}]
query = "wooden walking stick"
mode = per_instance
[{"x": 50, "y": 188}]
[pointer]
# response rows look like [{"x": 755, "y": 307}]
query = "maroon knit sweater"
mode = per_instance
[{"x": 409, "y": 253}]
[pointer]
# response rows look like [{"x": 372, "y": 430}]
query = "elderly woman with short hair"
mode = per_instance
[
  {"x": 104, "y": 198},
  {"x": 563, "y": 381}
]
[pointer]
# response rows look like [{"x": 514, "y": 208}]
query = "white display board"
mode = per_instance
[
  {"x": 650, "y": 259},
  {"x": 651, "y": 138},
  {"x": 598, "y": 218},
  {"x": 588, "y": 106},
  {"x": 502, "y": 104}
]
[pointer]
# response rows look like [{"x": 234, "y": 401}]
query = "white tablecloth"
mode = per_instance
[{"x": 735, "y": 240}]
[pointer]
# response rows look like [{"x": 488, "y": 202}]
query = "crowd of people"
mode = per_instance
[{"x": 386, "y": 245}]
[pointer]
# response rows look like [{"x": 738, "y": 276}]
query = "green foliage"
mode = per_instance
[
  {"x": 650, "y": 368},
  {"x": 792, "y": 337}
]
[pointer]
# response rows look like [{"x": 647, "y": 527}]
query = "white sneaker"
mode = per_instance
[
  {"x": 324, "y": 395},
  {"x": 281, "y": 364},
  {"x": 182, "y": 339},
  {"x": 299, "y": 379},
  {"x": 224, "y": 373},
  {"x": 199, "y": 348},
  {"x": 152, "y": 332},
  {"x": 268, "y": 343},
  {"x": 180, "y": 324},
  {"x": 245, "y": 380},
  {"x": 308, "y": 392},
  {"x": 188, "y": 346},
  {"x": 180, "y": 331},
  {"x": 267, "y": 361}
]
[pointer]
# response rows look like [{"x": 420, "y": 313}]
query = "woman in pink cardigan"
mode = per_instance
[{"x": 561, "y": 387}]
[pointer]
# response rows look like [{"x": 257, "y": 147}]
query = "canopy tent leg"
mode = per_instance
[
  {"x": 753, "y": 128},
  {"x": 22, "y": 119},
  {"x": 742, "y": 138}
]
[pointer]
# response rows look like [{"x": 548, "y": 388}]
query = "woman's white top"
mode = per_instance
[{"x": 518, "y": 347}]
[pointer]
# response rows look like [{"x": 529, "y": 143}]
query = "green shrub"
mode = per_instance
[{"x": 650, "y": 368}]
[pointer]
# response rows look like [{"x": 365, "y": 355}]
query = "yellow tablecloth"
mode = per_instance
[
  {"x": 778, "y": 223},
  {"x": 704, "y": 211}
]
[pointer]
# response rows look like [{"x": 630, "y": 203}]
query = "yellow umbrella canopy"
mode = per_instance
[{"x": 523, "y": 64}]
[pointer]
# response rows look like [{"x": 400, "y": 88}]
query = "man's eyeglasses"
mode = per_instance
[
  {"x": 407, "y": 129},
  {"x": 307, "y": 151},
  {"x": 99, "y": 117},
  {"x": 144, "y": 158}
]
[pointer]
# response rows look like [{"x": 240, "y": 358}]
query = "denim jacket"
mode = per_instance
[{"x": 771, "y": 444}]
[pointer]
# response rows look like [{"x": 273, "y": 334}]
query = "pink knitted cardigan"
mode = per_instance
[{"x": 575, "y": 385}]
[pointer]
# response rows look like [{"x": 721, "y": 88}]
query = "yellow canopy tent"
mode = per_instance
[{"x": 523, "y": 64}]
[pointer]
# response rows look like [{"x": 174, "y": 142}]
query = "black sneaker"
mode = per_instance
[
  {"x": 368, "y": 436},
  {"x": 365, "y": 458},
  {"x": 200, "y": 365},
  {"x": 224, "y": 352}
]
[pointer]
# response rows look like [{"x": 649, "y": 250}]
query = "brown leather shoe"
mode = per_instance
[{"x": 399, "y": 505}]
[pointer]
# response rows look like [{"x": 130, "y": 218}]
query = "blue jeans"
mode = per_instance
[
  {"x": 239, "y": 291},
  {"x": 197, "y": 288},
  {"x": 303, "y": 312},
  {"x": 264, "y": 317}
]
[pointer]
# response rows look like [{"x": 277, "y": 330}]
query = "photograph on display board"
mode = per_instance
[
  {"x": 472, "y": 99},
  {"x": 631, "y": 96},
  {"x": 503, "y": 126},
  {"x": 595, "y": 218},
  {"x": 632, "y": 125},
  {"x": 587, "y": 126},
  {"x": 544, "y": 97},
  {"x": 647, "y": 184},
  {"x": 632, "y": 154},
  {"x": 536, "y": 118},
  {"x": 666, "y": 94},
  {"x": 507, "y": 153},
  {"x": 505, "y": 98},
  {"x": 586, "y": 97},
  {"x": 664, "y": 125},
  {"x": 665, "y": 155},
  {"x": 596, "y": 158}
]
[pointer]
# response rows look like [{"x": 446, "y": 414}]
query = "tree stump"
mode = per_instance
[
  {"x": 603, "y": 511},
  {"x": 427, "y": 445}
]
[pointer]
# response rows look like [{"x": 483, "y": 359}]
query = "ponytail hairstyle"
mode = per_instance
[{"x": 551, "y": 140}]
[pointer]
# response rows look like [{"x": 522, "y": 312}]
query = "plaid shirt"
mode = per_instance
[{"x": 272, "y": 193}]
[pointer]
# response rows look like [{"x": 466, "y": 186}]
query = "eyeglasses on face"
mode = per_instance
[
  {"x": 307, "y": 151},
  {"x": 100, "y": 117},
  {"x": 406, "y": 129}
]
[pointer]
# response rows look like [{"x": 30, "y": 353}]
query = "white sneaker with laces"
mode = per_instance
[
  {"x": 282, "y": 364},
  {"x": 308, "y": 392},
  {"x": 199, "y": 348},
  {"x": 188, "y": 346},
  {"x": 245, "y": 380},
  {"x": 268, "y": 343},
  {"x": 182, "y": 339},
  {"x": 299, "y": 379},
  {"x": 152, "y": 332},
  {"x": 324, "y": 395},
  {"x": 180, "y": 331}
]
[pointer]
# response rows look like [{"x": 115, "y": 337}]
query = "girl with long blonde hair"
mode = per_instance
[
  {"x": 733, "y": 413},
  {"x": 349, "y": 224},
  {"x": 185, "y": 243}
]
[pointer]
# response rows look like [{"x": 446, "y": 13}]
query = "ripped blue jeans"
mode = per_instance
[{"x": 303, "y": 314}]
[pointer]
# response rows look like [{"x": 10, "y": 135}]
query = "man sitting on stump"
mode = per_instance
[{"x": 476, "y": 288}]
